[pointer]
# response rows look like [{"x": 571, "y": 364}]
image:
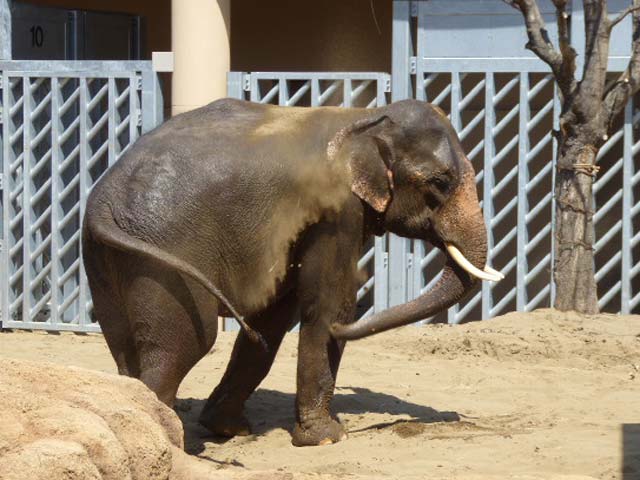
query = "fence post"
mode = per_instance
[
  {"x": 5, "y": 29},
  {"x": 56, "y": 187},
  {"x": 4, "y": 206},
  {"x": 627, "y": 204},
  {"x": 552, "y": 262},
  {"x": 400, "y": 90},
  {"x": 381, "y": 256},
  {"x": 523, "y": 202},
  {"x": 456, "y": 122},
  {"x": 488, "y": 182},
  {"x": 152, "y": 102},
  {"x": 402, "y": 51},
  {"x": 235, "y": 87}
]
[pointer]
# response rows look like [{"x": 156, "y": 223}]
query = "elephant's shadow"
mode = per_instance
[{"x": 269, "y": 409}]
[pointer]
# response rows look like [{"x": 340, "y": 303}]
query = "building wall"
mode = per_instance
[
  {"x": 307, "y": 35},
  {"x": 156, "y": 27},
  {"x": 157, "y": 14},
  {"x": 277, "y": 35}
]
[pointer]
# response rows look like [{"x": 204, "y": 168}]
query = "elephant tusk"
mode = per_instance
[
  {"x": 492, "y": 271},
  {"x": 468, "y": 266}
]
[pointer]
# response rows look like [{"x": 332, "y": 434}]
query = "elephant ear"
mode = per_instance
[{"x": 366, "y": 149}]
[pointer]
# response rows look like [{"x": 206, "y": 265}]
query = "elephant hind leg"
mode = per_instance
[
  {"x": 115, "y": 328},
  {"x": 249, "y": 365},
  {"x": 109, "y": 310},
  {"x": 172, "y": 323}
]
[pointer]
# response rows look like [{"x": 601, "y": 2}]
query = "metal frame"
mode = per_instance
[{"x": 63, "y": 124}]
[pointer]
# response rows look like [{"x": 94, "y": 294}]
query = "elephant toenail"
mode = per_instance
[{"x": 326, "y": 441}]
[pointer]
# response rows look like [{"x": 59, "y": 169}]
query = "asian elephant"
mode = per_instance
[{"x": 261, "y": 212}]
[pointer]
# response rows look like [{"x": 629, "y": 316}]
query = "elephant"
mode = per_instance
[{"x": 262, "y": 212}]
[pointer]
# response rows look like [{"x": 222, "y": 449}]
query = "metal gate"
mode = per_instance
[{"x": 63, "y": 124}]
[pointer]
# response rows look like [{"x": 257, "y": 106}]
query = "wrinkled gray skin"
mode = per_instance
[{"x": 265, "y": 209}]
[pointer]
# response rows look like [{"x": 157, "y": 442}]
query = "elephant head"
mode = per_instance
[{"x": 408, "y": 166}]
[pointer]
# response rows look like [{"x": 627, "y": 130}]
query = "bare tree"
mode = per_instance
[{"x": 589, "y": 108}]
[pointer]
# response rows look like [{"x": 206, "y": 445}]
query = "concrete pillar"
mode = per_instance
[
  {"x": 200, "y": 33},
  {"x": 5, "y": 29}
]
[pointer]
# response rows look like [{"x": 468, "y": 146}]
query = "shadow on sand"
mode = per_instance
[{"x": 269, "y": 410}]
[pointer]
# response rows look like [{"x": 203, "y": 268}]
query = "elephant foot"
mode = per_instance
[
  {"x": 224, "y": 424},
  {"x": 321, "y": 433}
]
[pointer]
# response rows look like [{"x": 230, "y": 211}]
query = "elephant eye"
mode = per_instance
[
  {"x": 441, "y": 183},
  {"x": 432, "y": 201}
]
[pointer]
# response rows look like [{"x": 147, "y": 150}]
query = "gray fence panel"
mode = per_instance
[
  {"x": 616, "y": 218},
  {"x": 343, "y": 89},
  {"x": 63, "y": 124},
  {"x": 503, "y": 137}
]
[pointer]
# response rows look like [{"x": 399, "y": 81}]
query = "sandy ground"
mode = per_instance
[{"x": 542, "y": 395}]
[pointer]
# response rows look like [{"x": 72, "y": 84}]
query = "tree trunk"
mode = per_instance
[{"x": 574, "y": 270}]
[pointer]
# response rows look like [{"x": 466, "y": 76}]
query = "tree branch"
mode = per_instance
[
  {"x": 594, "y": 76},
  {"x": 513, "y": 3},
  {"x": 628, "y": 84},
  {"x": 623, "y": 15},
  {"x": 539, "y": 42},
  {"x": 566, "y": 79},
  {"x": 562, "y": 63}
]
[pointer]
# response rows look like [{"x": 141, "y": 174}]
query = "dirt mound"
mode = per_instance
[
  {"x": 599, "y": 341},
  {"x": 75, "y": 424},
  {"x": 72, "y": 423}
]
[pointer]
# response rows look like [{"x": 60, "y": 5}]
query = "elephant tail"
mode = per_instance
[{"x": 105, "y": 230}]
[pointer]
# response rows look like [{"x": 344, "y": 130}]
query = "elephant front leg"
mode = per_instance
[
  {"x": 327, "y": 294},
  {"x": 318, "y": 360}
]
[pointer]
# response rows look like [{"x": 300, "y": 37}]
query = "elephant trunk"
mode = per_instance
[
  {"x": 453, "y": 284},
  {"x": 463, "y": 233}
]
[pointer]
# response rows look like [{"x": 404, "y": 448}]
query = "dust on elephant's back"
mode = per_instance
[
  {"x": 315, "y": 188},
  {"x": 185, "y": 188}
]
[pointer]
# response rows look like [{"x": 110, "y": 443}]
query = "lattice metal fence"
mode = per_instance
[
  {"x": 63, "y": 125},
  {"x": 327, "y": 89},
  {"x": 504, "y": 120},
  {"x": 617, "y": 218},
  {"x": 504, "y": 111},
  {"x": 313, "y": 89}
]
